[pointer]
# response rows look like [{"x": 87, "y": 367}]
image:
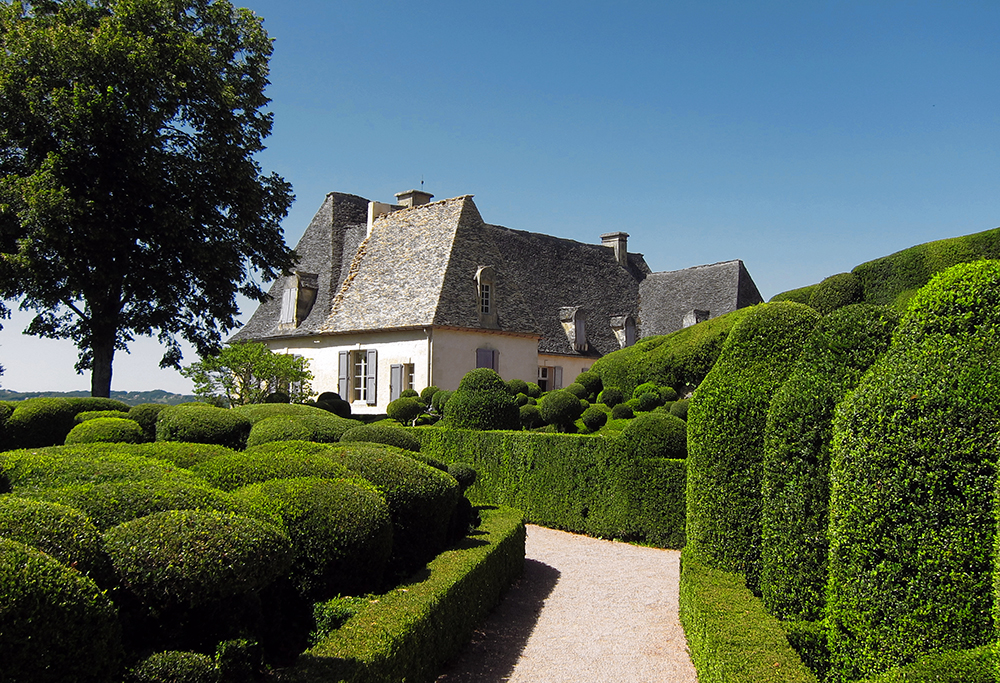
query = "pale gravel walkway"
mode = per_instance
[{"x": 585, "y": 610}]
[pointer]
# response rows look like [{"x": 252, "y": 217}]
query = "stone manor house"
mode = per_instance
[{"x": 388, "y": 297}]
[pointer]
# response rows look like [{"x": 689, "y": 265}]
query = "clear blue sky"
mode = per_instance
[{"x": 801, "y": 137}]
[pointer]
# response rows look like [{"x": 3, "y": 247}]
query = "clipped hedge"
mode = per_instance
[
  {"x": 801, "y": 295},
  {"x": 341, "y": 531},
  {"x": 797, "y": 437},
  {"x": 82, "y": 404},
  {"x": 482, "y": 401},
  {"x": 655, "y": 435},
  {"x": 836, "y": 291},
  {"x": 175, "y": 667},
  {"x": 560, "y": 408},
  {"x": 409, "y": 634},
  {"x": 185, "y": 455},
  {"x": 198, "y": 423},
  {"x": 278, "y": 428},
  {"x": 92, "y": 414},
  {"x": 725, "y": 426},
  {"x": 951, "y": 666},
  {"x": 39, "y": 422},
  {"x": 326, "y": 426},
  {"x": 58, "y": 626},
  {"x": 275, "y": 460},
  {"x": 912, "y": 483},
  {"x": 731, "y": 637},
  {"x": 146, "y": 415},
  {"x": 382, "y": 434},
  {"x": 189, "y": 557},
  {"x": 106, "y": 430}
]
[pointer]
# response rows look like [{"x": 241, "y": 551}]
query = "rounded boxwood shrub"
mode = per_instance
[
  {"x": 726, "y": 435},
  {"x": 522, "y": 400},
  {"x": 655, "y": 435},
  {"x": 326, "y": 427},
  {"x": 531, "y": 417},
  {"x": 175, "y": 667},
  {"x": 646, "y": 388},
  {"x": 341, "y": 531},
  {"x": 591, "y": 381},
  {"x": 912, "y": 477},
  {"x": 622, "y": 411},
  {"x": 204, "y": 424},
  {"x": 482, "y": 402},
  {"x": 383, "y": 434},
  {"x": 61, "y": 531},
  {"x": 39, "y": 422},
  {"x": 421, "y": 499},
  {"x": 578, "y": 390},
  {"x": 534, "y": 391},
  {"x": 278, "y": 428},
  {"x": 185, "y": 455},
  {"x": 94, "y": 414},
  {"x": 278, "y": 397},
  {"x": 336, "y": 406},
  {"x": 680, "y": 408},
  {"x": 404, "y": 410},
  {"x": 88, "y": 403},
  {"x": 146, "y": 415},
  {"x": 649, "y": 401},
  {"x": 427, "y": 393},
  {"x": 191, "y": 557},
  {"x": 560, "y": 408},
  {"x": 668, "y": 395},
  {"x": 796, "y": 487},
  {"x": 58, "y": 626},
  {"x": 112, "y": 502},
  {"x": 836, "y": 292},
  {"x": 464, "y": 474},
  {"x": 610, "y": 396},
  {"x": 517, "y": 386},
  {"x": 439, "y": 399},
  {"x": 274, "y": 460},
  {"x": 106, "y": 430},
  {"x": 594, "y": 418}
]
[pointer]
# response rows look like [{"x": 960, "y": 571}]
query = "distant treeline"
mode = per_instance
[{"x": 133, "y": 398}]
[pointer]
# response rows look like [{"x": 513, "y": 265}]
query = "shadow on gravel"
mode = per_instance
[{"x": 497, "y": 644}]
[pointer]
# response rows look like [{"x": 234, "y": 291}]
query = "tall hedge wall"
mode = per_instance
[
  {"x": 585, "y": 484},
  {"x": 726, "y": 423},
  {"x": 796, "y": 487},
  {"x": 912, "y": 479}
]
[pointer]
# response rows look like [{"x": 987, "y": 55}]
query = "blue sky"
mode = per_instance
[{"x": 802, "y": 137}]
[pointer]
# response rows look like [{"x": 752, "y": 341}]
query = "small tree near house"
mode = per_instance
[{"x": 248, "y": 373}]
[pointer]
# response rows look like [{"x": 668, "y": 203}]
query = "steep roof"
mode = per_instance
[{"x": 665, "y": 297}]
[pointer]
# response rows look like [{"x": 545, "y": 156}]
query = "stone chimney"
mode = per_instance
[
  {"x": 619, "y": 242},
  {"x": 412, "y": 198}
]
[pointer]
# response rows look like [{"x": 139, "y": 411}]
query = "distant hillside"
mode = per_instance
[{"x": 133, "y": 398}]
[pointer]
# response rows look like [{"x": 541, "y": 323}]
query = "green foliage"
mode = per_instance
[
  {"x": 39, "y": 422},
  {"x": 57, "y": 530},
  {"x": 534, "y": 391},
  {"x": 560, "y": 408},
  {"x": 175, "y": 667},
  {"x": 427, "y": 393},
  {"x": 648, "y": 401},
  {"x": 482, "y": 402},
  {"x": 950, "y": 666},
  {"x": 439, "y": 399},
  {"x": 668, "y": 395},
  {"x": 802, "y": 295},
  {"x": 836, "y": 292},
  {"x": 190, "y": 557},
  {"x": 404, "y": 410},
  {"x": 58, "y": 626},
  {"x": 106, "y": 430},
  {"x": 656, "y": 436},
  {"x": 591, "y": 382},
  {"x": 185, "y": 455},
  {"x": 278, "y": 428},
  {"x": 517, "y": 386},
  {"x": 340, "y": 529},
  {"x": 808, "y": 639},
  {"x": 531, "y": 417},
  {"x": 464, "y": 474},
  {"x": 680, "y": 408},
  {"x": 277, "y": 397},
  {"x": 146, "y": 415},
  {"x": 382, "y": 434},
  {"x": 796, "y": 486},
  {"x": 94, "y": 414},
  {"x": 203, "y": 424},
  {"x": 912, "y": 483},
  {"x": 610, "y": 396},
  {"x": 731, "y": 637},
  {"x": 275, "y": 460},
  {"x": 577, "y": 390},
  {"x": 325, "y": 427},
  {"x": 133, "y": 202},
  {"x": 726, "y": 435},
  {"x": 248, "y": 372},
  {"x": 646, "y": 388},
  {"x": 594, "y": 418},
  {"x": 421, "y": 499},
  {"x": 622, "y": 411},
  {"x": 680, "y": 359},
  {"x": 408, "y": 634},
  {"x": 82, "y": 404}
]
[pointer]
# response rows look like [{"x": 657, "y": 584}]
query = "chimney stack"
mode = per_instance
[
  {"x": 412, "y": 198},
  {"x": 619, "y": 242}
]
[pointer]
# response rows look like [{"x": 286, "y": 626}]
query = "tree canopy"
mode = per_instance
[
  {"x": 130, "y": 199},
  {"x": 249, "y": 372}
]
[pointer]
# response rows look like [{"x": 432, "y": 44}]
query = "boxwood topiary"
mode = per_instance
[
  {"x": 383, "y": 434},
  {"x": 39, "y": 422},
  {"x": 191, "y": 557},
  {"x": 421, "y": 499},
  {"x": 912, "y": 483},
  {"x": 482, "y": 402},
  {"x": 680, "y": 408},
  {"x": 591, "y": 382},
  {"x": 326, "y": 426},
  {"x": 427, "y": 393},
  {"x": 836, "y": 292},
  {"x": 622, "y": 411},
  {"x": 531, "y": 417},
  {"x": 404, "y": 410},
  {"x": 88, "y": 403},
  {"x": 648, "y": 401},
  {"x": 464, "y": 473},
  {"x": 796, "y": 486},
  {"x": 646, "y": 388},
  {"x": 725, "y": 430},
  {"x": 667, "y": 395},
  {"x": 175, "y": 667},
  {"x": 534, "y": 391},
  {"x": 439, "y": 399},
  {"x": 106, "y": 430},
  {"x": 61, "y": 531},
  {"x": 185, "y": 455},
  {"x": 522, "y": 400},
  {"x": 594, "y": 418},
  {"x": 578, "y": 390},
  {"x": 58, "y": 626},
  {"x": 94, "y": 414},
  {"x": 341, "y": 531},
  {"x": 517, "y": 386},
  {"x": 655, "y": 435},
  {"x": 204, "y": 424},
  {"x": 146, "y": 415},
  {"x": 278, "y": 428},
  {"x": 275, "y": 460},
  {"x": 610, "y": 396},
  {"x": 560, "y": 408}
]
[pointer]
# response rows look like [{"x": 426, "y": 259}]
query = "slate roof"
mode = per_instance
[
  {"x": 417, "y": 268},
  {"x": 665, "y": 297}
]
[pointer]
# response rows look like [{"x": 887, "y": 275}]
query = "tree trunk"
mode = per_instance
[{"x": 103, "y": 348}]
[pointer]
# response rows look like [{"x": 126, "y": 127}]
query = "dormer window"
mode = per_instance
[
  {"x": 297, "y": 299},
  {"x": 486, "y": 296},
  {"x": 624, "y": 328},
  {"x": 574, "y": 322}
]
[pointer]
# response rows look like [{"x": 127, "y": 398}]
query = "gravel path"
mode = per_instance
[{"x": 584, "y": 610}]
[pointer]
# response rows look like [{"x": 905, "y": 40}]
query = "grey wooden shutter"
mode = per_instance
[
  {"x": 495, "y": 361},
  {"x": 395, "y": 381},
  {"x": 370, "y": 379},
  {"x": 484, "y": 358},
  {"x": 557, "y": 377},
  {"x": 344, "y": 376}
]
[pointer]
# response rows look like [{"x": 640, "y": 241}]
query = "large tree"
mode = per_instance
[{"x": 130, "y": 199}]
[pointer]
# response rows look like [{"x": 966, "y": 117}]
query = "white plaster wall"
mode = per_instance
[
  {"x": 407, "y": 346},
  {"x": 454, "y": 354},
  {"x": 572, "y": 366}
]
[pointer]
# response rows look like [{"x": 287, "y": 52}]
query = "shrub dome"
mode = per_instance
[
  {"x": 199, "y": 423},
  {"x": 655, "y": 435},
  {"x": 382, "y": 434},
  {"x": 560, "y": 408},
  {"x": 482, "y": 402},
  {"x": 106, "y": 430}
]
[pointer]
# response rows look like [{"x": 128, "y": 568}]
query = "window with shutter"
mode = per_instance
[
  {"x": 396, "y": 372},
  {"x": 488, "y": 358}
]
